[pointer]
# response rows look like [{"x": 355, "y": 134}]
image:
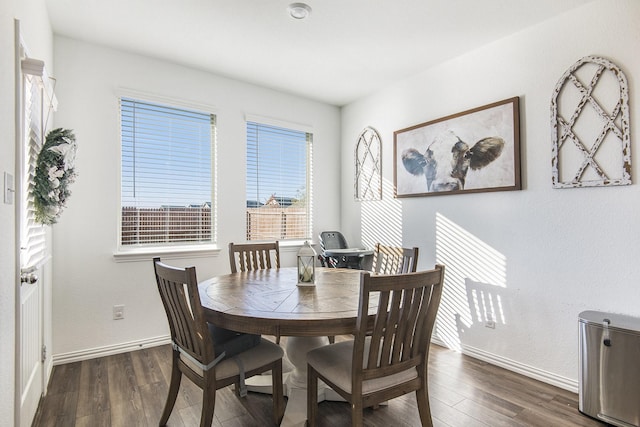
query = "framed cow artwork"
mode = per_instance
[{"x": 470, "y": 152}]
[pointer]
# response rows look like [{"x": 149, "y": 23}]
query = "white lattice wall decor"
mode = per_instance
[
  {"x": 590, "y": 126},
  {"x": 368, "y": 176}
]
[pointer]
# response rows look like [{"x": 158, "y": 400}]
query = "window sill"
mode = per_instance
[
  {"x": 295, "y": 245},
  {"x": 166, "y": 252}
]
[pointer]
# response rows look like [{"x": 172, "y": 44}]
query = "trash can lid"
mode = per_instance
[{"x": 618, "y": 321}]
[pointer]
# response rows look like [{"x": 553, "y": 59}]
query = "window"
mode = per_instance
[
  {"x": 278, "y": 183},
  {"x": 167, "y": 176}
]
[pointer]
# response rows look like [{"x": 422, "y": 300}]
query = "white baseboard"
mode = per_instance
[
  {"x": 503, "y": 362},
  {"x": 92, "y": 353},
  {"x": 520, "y": 368}
]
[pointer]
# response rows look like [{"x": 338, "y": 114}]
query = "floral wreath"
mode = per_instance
[{"x": 54, "y": 173}]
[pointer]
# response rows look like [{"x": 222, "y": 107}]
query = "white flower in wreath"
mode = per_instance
[
  {"x": 68, "y": 151},
  {"x": 53, "y": 210},
  {"x": 54, "y": 173}
]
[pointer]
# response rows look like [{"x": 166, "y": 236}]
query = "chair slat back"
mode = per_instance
[
  {"x": 394, "y": 260},
  {"x": 178, "y": 288},
  {"x": 254, "y": 256},
  {"x": 404, "y": 320}
]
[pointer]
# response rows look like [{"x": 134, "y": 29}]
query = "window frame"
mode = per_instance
[
  {"x": 299, "y": 127},
  {"x": 167, "y": 250}
]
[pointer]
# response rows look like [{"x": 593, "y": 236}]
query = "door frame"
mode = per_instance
[
  {"x": 41, "y": 378},
  {"x": 18, "y": 170}
]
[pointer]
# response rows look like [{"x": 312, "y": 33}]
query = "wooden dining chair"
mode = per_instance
[
  {"x": 394, "y": 259},
  {"x": 254, "y": 256},
  {"x": 194, "y": 353},
  {"x": 388, "y": 359}
]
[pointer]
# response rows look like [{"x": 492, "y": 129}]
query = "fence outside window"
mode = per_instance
[
  {"x": 276, "y": 223},
  {"x": 166, "y": 224},
  {"x": 193, "y": 224}
]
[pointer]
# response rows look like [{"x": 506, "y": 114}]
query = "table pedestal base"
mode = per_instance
[{"x": 295, "y": 380}]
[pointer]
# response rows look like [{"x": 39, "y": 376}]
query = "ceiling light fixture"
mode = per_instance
[{"x": 299, "y": 10}]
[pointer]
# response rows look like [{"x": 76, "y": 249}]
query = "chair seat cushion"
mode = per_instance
[
  {"x": 264, "y": 353},
  {"x": 334, "y": 362},
  {"x": 231, "y": 342}
]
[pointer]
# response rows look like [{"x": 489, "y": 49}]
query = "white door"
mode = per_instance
[
  {"x": 31, "y": 366},
  {"x": 31, "y": 250}
]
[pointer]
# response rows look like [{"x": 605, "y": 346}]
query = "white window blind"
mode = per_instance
[
  {"x": 166, "y": 187},
  {"x": 33, "y": 237},
  {"x": 278, "y": 183}
]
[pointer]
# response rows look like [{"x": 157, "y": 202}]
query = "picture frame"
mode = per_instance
[{"x": 474, "y": 151}]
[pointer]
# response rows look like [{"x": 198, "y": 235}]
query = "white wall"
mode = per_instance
[
  {"x": 87, "y": 280},
  {"x": 545, "y": 255},
  {"x": 7, "y": 215},
  {"x": 36, "y": 33}
]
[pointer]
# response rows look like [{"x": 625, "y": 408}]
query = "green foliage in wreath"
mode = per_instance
[{"x": 54, "y": 173}]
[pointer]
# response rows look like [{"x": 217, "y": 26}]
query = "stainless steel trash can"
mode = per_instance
[{"x": 609, "y": 383}]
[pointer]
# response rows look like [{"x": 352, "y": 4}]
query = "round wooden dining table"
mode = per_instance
[{"x": 270, "y": 302}]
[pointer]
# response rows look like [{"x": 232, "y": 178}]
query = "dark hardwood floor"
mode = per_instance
[{"x": 129, "y": 390}]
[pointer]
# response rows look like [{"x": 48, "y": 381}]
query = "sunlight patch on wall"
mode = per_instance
[
  {"x": 381, "y": 221},
  {"x": 475, "y": 279}
]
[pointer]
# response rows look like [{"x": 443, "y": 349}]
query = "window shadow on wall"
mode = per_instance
[
  {"x": 474, "y": 286},
  {"x": 381, "y": 220}
]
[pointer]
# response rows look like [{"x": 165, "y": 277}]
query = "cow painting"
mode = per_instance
[
  {"x": 447, "y": 160},
  {"x": 473, "y": 151}
]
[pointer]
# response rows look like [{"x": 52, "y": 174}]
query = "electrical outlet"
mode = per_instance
[
  {"x": 118, "y": 312},
  {"x": 490, "y": 324}
]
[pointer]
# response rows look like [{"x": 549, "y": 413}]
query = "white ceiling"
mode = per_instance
[{"x": 346, "y": 49}]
